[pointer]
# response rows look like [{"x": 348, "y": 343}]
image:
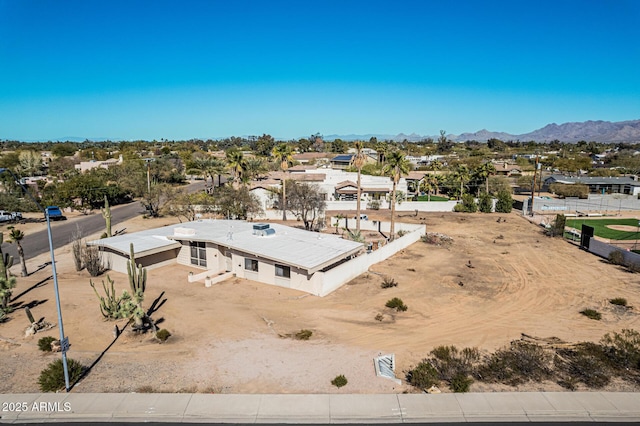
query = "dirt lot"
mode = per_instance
[{"x": 227, "y": 338}]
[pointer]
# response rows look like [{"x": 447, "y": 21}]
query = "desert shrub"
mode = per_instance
[
  {"x": 423, "y": 376},
  {"x": 303, "y": 334},
  {"x": 570, "y": 190},
  {"x": 450, "y": 362},
  {"x": 397, "y": 304},
  {"x": 402, "y": 233},
  {"x": 373, "y": 205},
  {"x": 379, "y": 317},
  {"x": 355, "y": 236},
  {"x": 623, "y": 349},
  {"x": 586, "y": 363},
  {"x": 516, "y": 364},
  {"x": 616, "y": 257},
  {"x": 339, "y": 381},
  {"x": 557, "y": 226},
  {"x": 460, "y": 383},
  {"x": 634, "y": 267},
  {"x": 485, "y": 203},
  {"x": 619, "y": 301},
  {"x": 591, "y": 314},
  {"x": 388, "y": 282},
  {"x": 93, "y": 261},
  {"x": 163, "y": 335},
  {"x": 44, "y": 344},
  {"x": 52, "y": 378},
  {"x": 436, "y": 238},
  {"x": 145, "y": 389},
  {"x": 468, "y": 204}
]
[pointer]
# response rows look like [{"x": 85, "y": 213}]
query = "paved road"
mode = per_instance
[{"x": 62, "y": 231}]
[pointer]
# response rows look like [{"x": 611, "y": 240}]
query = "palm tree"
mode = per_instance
[
  {"x": 358, "y": 162},
  {"x": 435, "y": 165},
  {"x": 283, "y": 154},
  {"x": 483, "y": 172},
  {"x": 237, "y": 163},
  {"x": 255, "y": 167},
  {"x": 462, "y": 176},
  {"x": 209, "y": 167},
  {"x": 15, "y": 236},
  {"x": 429, "y": 183},
  {"x": 396, "y": 166}
]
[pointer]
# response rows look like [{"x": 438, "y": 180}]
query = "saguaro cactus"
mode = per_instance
[
  {"x": 6, "y": 260},
  {"x": 106, "y": 214},
  {"x": 7, "y": 282},
  {"x": 138, "y": 283}
]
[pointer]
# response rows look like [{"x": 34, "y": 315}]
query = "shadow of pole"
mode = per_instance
[
  {"x": 154, "y": 307},
  {"x": 86, "y": 372},
  {"x": 36, "y": 285}
]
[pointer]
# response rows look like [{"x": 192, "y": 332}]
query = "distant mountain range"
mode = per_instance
[{"x": 596, "y": 131}]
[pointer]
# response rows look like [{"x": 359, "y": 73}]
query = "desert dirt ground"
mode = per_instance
[{"x": 228, "y": 338}]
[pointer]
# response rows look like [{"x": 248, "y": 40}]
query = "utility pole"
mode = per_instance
[{"x": 533, "y": 183}]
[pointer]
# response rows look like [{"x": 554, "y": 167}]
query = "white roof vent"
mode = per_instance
[{"x": 263, "y": 230}]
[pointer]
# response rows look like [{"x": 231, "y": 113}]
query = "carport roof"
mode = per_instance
[{"x": 311, "y": 251}]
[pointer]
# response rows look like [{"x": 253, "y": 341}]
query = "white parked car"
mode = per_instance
[{"x": 9, "y": 216}]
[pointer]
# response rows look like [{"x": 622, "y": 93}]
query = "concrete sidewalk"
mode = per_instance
[{"x": 322, "y": 408}]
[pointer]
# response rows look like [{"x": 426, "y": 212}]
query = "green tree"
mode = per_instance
[
  {"x": 484, "y": 171},
  {"x": 236, "y": 203},
  {"x": 429, "y": 184},
  {"x": 283, "y": 155},
  {"x": 468, "y": 204},
  {"x": 208, "y": 167},
  {"x": 30, "y": 163},
  {"x": 444, "y": 145},
  {"x": 396, "y": 166},
  {"x": 505, "y": 202},
  {"x": 236, "y": 163},
  {"x": 462, "y": 176},
  {"x": 188, "y": 205},
  {"x": 255, "y": 168},
  {"x": 485, "y": 203},
  {"x": 160, "y": 196},
  {"x": 64, "y": 149}
]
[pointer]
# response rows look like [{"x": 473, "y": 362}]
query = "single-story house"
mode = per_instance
[
  {"x": 268, "y": 253},
  {"x": 598, "y": 184},
  {"x": 342, "y": 161}
]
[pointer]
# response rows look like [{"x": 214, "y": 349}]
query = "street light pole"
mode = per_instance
[{"x": 64, "y": 342}]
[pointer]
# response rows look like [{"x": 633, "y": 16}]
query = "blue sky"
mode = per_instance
[{"x": 199, "y": 69}]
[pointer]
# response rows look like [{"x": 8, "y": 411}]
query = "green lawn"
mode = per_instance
[
  {"x": 433, "y": 198},
  {"x": 600, "y": 227}
]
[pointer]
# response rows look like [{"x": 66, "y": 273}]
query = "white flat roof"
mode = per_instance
[{"x": 307, "y": 250}]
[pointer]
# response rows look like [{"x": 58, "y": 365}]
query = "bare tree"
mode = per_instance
[{"x": 305, "y": 201}]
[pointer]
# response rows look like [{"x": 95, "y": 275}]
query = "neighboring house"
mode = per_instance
[
  {"x": 268, "y": 253},
  {"x": 88, "y": 165},
  {"x": 342, "y": 161},
  {"x": 505, "y": 169},
  {"x": 599, "y": 185},
  {"x": 311, "y": 157},
  {"x": 336, "y": 185}
]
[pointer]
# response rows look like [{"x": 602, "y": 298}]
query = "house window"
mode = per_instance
[
  {"x": 198, "y": 253},
  {"x": 251, "y": 265},
  {"x": 283, "y": 271}
]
